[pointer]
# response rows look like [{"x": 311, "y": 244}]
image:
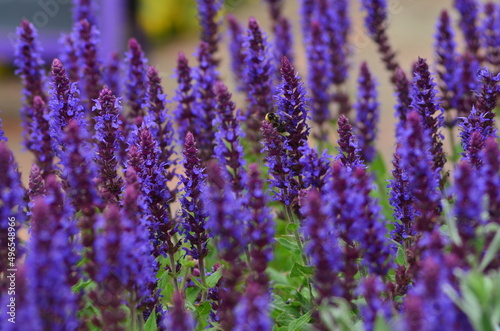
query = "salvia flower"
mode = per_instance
[
  {"x": 322, "y": 246},
  {"x": 367, "y": 114},
  {"x": 108, "y": 137},
  {"x": 253, "y": 310},
  {"x": 204, "y": 107},
  {"x": 372, "y": 289},
  {"x": 184, "y": 113},
  {"x": 446, "y": 59},
  {"x": 259, "y": 76},
  {"x": 208, "y": 11},
  {"x": 315, "y": 167},
  {"x": 41, "y": 144},
  {"x": 136, "y": 81},
  {"x": 193, "y": 210},
  {"x": 283, "y": 39},
  {"x": 306, "y": 13},
  {"x": 50, "y": 244},
  {"x": 491, "y": 34},
  {"x": 417, "y": 163},
  {"x": 178, "y": 319},
  {"x": 236, "y": 49},
  {"x": 403, "y": 95},
  {"x": 112, "y": 74},
  {"x": 84, "y": 10},
  {"x": 465, "y": 83},
  {"x": 87, "y": 50},
  {"x": 162, "y": 128},
  {"x": 469, "y": 17},
  {"x": 428, "y": 106},
  {"x": 69, "y": 56},
  {"x": 29, "y": 67},
  {"x": 349, "y": 152},
  {"x": 2, "y": 133},
  {"x": 228, "y": 149},
  {"x": 490, "y": 172},
  {"x": 487, "y": 95},
  {"x": 36, "y": 184},
  {"x": 476, "y": 128}
]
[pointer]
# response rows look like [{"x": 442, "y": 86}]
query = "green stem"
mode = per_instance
[
  {"x": 201, "y": 265},
  {"x": 452, "y": 143},
  {"x": 133, "y": 311},
  {"x": 174, "y": 271}
]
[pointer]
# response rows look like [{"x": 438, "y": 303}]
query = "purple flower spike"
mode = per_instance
[
  {"x": 491, "y": 34},
  {"x": 490, "y": 172},
  {"x": 69, "y": 56},
  {"x": 315, "y": 167},
  {"x": 49, "y": 245},
  {"x": 112, "y": 74},
  {"x": 294, "y": 112},
  {"x": 487, "y": 96},
  {"x": 41, "y": 144},
  {"x": 108, "y": 137},
  {"x": 446, "y": 59},
  {"x": 236, "y": 48},
  {"x": 36, "y": 183},
  {"x": 2, "y": 132},
  {"x": 468, "y": 190},
  {"x": 318, "y": 81},
  {"x": 428, "y": 106},
  {"x": 466, "y": 83},
  {"x": 322, "y": 247},
  {"x": 258, "y": 75},
  {"x": 403, "y": 96},
  {"x": 260, "y": 227},
  {"x": 90, "y": 75},
  {"x": 283, "y": 39},
  {"x": 29, "y": 67},
  {"x": 136, "y": 81},
  {"x": 469, "y": 17},
  {"x": 193, "y": 210},
  {"x": 349, "y": 152},
  {"x": 371, "y": 289},
  {"x": 64, "y": 105},
  {"x": 275, "y": 9},
  {"x": 208, "y": 11},
  {"x": 376, "y": 24},
  {"x": 162, "y": 128},
  {"x": 184, "y": 113},
  {"x": 416, "y": 162},
  {"x": 306, "y": 13},
  {"x": 367, "y": 114},
  {"x": 204, "y": 107},
  {"x": 253, "y": 310},
  {"x": 12, "y": 195},
  {"x": 228, "y": 149},
  {"x": 178, "y": 318},
  {"x": 84, "y": 10}
]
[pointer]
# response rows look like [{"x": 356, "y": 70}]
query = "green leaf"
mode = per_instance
[
  {"x": 214, "y": 278},
  {"x": 198, "y": 284},
  {"x": 279, "y": 328},
  {"x": 289, "y": 244},
  {"x": 491, "y": 252},
  {"x": 151, "y": 323},
  {"x": 299, "y": 322},
  {"x": 292, "y": 227},
  {"x": 284, "y": 318},
  {"x": 191, "y": 295},
  {"x": 81, "y": 285},
  {"x": 400, "y": 254},
  {"x": 299, "y": 270},
  {"x": 381, "y": 324},
  {"x": 203, "y": 310},
  {"x": 277, "y": 277}
]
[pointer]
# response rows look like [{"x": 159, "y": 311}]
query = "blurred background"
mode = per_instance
[{"x": 166, "y": 27}]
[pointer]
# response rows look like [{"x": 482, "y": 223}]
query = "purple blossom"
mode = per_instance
[
  {"x": 228, "y": 149},
  {"x": 476, "y": 129},
  {"x": 258, "y": 75},
  {"x": 487, "y": 96},
  {"x": 491, "y": 34},
  {"x": 427, "y": 105},
  {"x": 237, "y": 51},
  {"x": 469, "y": 16},
  {"x": 29, "y": 67},
  {"x": 108, "y": 137},
  {"x": 208, "y": 11},
  {"x": 69, "y": 56},
  {"x": 12, "y": 194},
  {"x": 306, "y": 13},
  {"x": 204, "y": 107},
  {"x": 318, "y": 81},
  {"x": 36, "y": 183},
  {"x": 184, "y": 96},
  {"x": 50, "y": 244},
  {"x": 446, "y": 59},
  {"x": 136, "y": 81},
  {"x": 112, "y": 74},
  {"x": 417, "y": 164},
  {"x": 315, "y": 167},
  {"x": 252, "y": 312},
  {"x": 40, "y": 132},
  {"x": 84, "y": 10},
  {"x": 283, "y": 39},
  {"x": 2, "y": 132},
  {"x": 178, "y": 319},
  {"x": 193, "y": 209},
  {"x": 87, "y": 49},
  {"x": 367, "y": 114},
  {"x": 490, "y": 172},
  {"x": 162, "y": 128},
  {"x": 349, "y": 152},
  {"x": 465, "y": 84},
  {"x": 260, "y": 228},
  {"x": 322, "y": 246},
  {"x": 372, "y": 289},
  {"x": 403, "y": 96},
  {"x": 275, "y": 9}
]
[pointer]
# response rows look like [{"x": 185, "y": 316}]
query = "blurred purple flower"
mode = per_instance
[
  {"x": 371, "y": 289},
  {"x": 237, "y": 51},
  {"x": 283, "y": 39},
  {"x": 41, "y": 144},
  {"x": 85, "y": 10},
  {"x": 36, "y": 183},
  {"x": 490, "y": 172},
  {"x": 69, "y": 55},
  {"x": 113, "y": 74},
  {"x": 184, "y": 96},
  {"x": 136, "y": 81},
  {"x": 465, "y": 84},
  {"x": 208, "y": 11},
  {"x": 469, "y": 17},
  {"x": 252, "y": 311},
  {"x": 178, "y": 318},
  {"x": 491, "y": 34}
]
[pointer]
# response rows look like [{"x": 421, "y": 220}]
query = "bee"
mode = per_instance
[{"x": 275, "y": 120}]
